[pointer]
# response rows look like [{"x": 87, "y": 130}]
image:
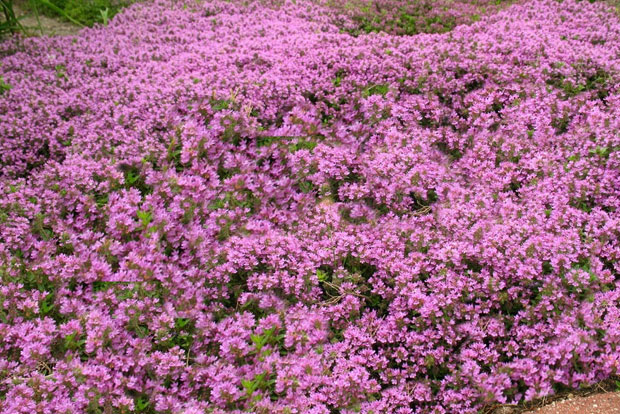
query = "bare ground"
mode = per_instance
[
  {"x": 46, "y": 26},
  {"x": 601, "y": 398},
  {"x": 608, "y": 403}
]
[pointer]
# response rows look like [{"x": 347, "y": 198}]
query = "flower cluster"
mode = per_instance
[
  {"x": 241, "y": 206},
  {"x": 408, "y": 17}
]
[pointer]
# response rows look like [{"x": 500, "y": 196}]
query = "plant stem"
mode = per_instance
[{"x": 33, "y": 3}]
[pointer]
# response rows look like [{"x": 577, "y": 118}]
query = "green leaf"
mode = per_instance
[
  {"x": 221, "y": 104},
  {"x": 4, "y": 86},
  {"x": 59, "y": 11},
  {"x": 247, "y": 384},
  {"x": 306, "y": 186},
  {"x": 602, "y": 152},
  {"x": 321, "y": 275},
  {"x": 101, "y": 200},
  {"x": 256, "y": 339},
  {"x": 181, "y": 323},
  {"x": 309, "y": 145},
  {"x": 132, "y": 177},
  {"x": 142, "y": 402},
  {"x": 145, "y": 217},
  {"x": 375, "y": 90},
  {"x": 47, "y": 305},
  {"x": 104, "y": 16}
]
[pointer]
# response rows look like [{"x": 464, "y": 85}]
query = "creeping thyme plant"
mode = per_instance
[{"x": 286, "y": 207}]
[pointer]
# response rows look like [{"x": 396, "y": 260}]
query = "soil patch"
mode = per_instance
[
  {"x": 601, "y": 398},
  {"x": 46, "y": 26}
]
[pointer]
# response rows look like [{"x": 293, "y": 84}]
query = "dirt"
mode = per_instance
[
  {"x": 48, "y": 26},
  {"x": 608, "y": 403},
  {"x": 600, "y": 398}
]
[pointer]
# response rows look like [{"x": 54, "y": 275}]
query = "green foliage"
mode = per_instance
[
  {"x": 135, "y": 179},
  {"x": 173, "y": 153},
  {"x": 143, "y": 404},
  {"x": 33, "y": 280},
  {"x": 94, "y": 406},
  {"x": 454, "y": 154},
  {"x": 101, "y": 285},
  {"x": 561, "y": 124},
  {"x": 39, "y": 227},
  {"x": 413, "y": 17},
  {"x": 598, "y": 80},
  {"x": 301, "y": 144},
  {"x": 305, "y": 186},
  {"x": 420, "y": 202},
  {"x": 224, "y": 232},
  {"x": 375, "y": 90},
  {"x": 266, "y": 140},
  {"x": 583, "y": 203},
  {"x": 101, "y": 199},
  {"x": 181, "y": 335},
  {"x": 49, "y": 5},
  {"x": 221, "y": 104},
  {"x": 104, "y": 13},
  {"x": 9, "y": 23},
  {"x": 3, "y": 85},
  {"x": 78, "y": 12},
  {"x": 261, "y": 382},
  {"x": 47, "y": 304},
  {"x": 268, "y": 337},
  {"x": 603, "y": 152},
  {"x": 239, "y": 199},
  {"x": 406, "y": 23},
  {"x": 145, "y": 218},
  {"x": 85, "y": 12},
  {"x": 322, "y": 275},
  {"x": 74, "y": 342},
  {"x": 224, "y": 173}
]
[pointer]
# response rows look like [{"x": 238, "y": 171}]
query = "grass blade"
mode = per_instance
[{"x": 60, "y": 11}]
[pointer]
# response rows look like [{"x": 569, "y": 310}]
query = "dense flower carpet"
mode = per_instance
[{"x": 310, "y": 207}]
